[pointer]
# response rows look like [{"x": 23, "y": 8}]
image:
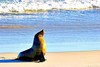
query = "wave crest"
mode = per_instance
[{"x": 30, "y": 7}]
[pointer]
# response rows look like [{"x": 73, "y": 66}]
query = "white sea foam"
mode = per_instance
[{"x": 29, "y": 6}]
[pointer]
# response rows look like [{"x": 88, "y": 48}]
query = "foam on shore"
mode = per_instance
[{"x": 33, "y": 6}]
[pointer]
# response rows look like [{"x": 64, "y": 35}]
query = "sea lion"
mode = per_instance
[{"x": 37, "y": 51}]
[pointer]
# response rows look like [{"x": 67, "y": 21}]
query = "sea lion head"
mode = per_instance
[{"x": 40, "y": 33}]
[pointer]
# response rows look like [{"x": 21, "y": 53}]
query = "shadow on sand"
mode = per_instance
[{"x": 12, "y": 61}]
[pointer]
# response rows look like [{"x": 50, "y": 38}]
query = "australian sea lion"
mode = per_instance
[{"x": 37, "y": 51}]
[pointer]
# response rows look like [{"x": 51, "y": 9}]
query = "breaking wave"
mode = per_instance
[{"x": 30, "y": 6}]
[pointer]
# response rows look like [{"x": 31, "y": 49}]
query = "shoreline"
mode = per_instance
[{"x": 56, "y": 59}]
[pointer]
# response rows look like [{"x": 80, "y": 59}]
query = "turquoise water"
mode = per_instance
[{"x": 65, "y": 30}]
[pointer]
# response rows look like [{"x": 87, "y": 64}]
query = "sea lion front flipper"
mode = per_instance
[{"x": 39, "y": 58}]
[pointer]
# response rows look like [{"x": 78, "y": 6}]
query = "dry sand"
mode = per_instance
[{"x": 60, "y": 59}]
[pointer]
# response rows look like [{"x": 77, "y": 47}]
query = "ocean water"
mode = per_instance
[{"x": 65, "y": 30}]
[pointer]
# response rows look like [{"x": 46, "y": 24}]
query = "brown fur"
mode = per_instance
[{"x": 37, "y": 51}]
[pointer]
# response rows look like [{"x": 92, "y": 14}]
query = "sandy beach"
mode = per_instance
[{"x": 57, "y": 59}]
